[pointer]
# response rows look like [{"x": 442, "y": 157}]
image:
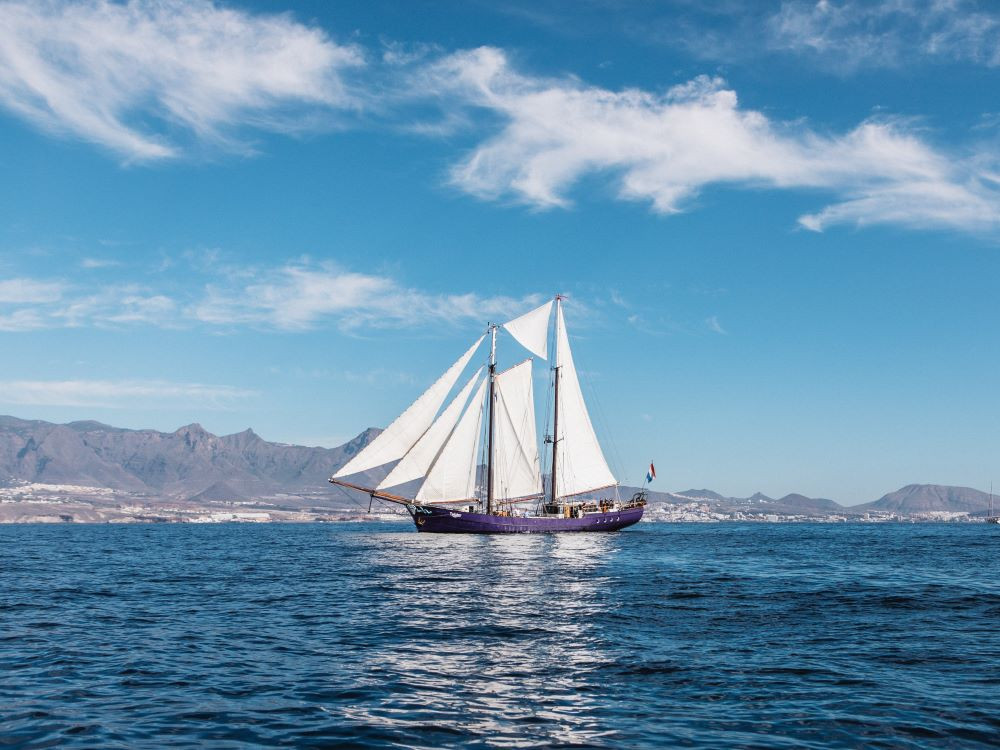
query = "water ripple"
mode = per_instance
[{"x": 371, "y": 636}]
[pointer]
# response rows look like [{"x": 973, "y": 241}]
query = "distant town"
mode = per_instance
[
  {"x": 24, "y": 502},
  {"x": 88, "y": 472}
]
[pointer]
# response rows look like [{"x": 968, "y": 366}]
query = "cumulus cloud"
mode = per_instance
[
  {"x": 140, "y": 77},
  {"x": 665, "y": 147},
  {"x": 119, "y": 393}
]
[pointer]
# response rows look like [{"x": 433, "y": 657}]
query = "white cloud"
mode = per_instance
[
  {"x": 98, "y": 263},
  {"x": 837, "y": 35},
  {"x": 714, "y": 325},
  {"x": 295, "y": 296},
  {"x": 31, "y": 304},
  {"x": 664, "y": 148},
  {"x": 139, "y": 77},
  {"x": 300, "y": 296},
  {"x": 119, "y": 393},
  {"x": 849, "y": 34},
  {"x": 138, "y": 308},
  {"x": 29, "y": 290},
  {"x": 22, "y": 320},
  {"x": 111, "y": 305}
]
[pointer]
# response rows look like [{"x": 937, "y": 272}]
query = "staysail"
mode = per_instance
[
  {"x": 516, "y": 471},
  {"x": 532, "y": 330},
  {"x": 397, "y": 439},
  {"x": 452, "y": 476},
  {"x": 580, "y": 461},
  {"x": 419, "y": 458}
]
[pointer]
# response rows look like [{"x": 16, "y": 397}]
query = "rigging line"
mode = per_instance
[
  {"x": 619, "y": 470},
  {"x": 350, "y": 498}
]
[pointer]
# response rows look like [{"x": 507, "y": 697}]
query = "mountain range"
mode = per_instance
[
  {"x": 193, "y": 464},
  {"x": 908, "y": 500},
  {"x": 189, "y": 463}
]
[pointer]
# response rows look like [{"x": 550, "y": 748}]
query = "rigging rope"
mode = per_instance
[{"x": 605, "y": 426}]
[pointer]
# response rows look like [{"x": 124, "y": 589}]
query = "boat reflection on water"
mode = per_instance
[{"x": 486, "y": 636}]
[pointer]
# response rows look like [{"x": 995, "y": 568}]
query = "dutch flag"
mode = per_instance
[{"x": 650, "y": 473}]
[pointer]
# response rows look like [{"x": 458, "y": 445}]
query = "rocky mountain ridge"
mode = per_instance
[
  {"x": 189, "y": 463},
  {"x": 909, "y": 500},
  {"x": 192, "y": 464}
]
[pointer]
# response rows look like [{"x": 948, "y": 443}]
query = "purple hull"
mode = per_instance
[{"x": 446, "y": 521}]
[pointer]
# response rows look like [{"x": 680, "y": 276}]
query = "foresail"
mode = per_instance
[
  {"x": 452, "y": 476},
  {"x": 516, "y": 472},
  {"x": 418, "y": 459},
  {"x": 581, "y": 463},
  {"x": 532, "y": 330},
  {"x": 394, "y": 442}
]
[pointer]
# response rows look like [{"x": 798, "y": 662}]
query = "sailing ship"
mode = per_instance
[
  {"x": 991, "y": 517},
  {"x": 474, "y": 466}
]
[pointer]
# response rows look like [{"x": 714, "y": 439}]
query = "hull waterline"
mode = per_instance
[{"x": 437, "y": 520}]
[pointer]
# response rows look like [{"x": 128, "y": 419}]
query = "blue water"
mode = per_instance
[{"x": 374, "y": 636}]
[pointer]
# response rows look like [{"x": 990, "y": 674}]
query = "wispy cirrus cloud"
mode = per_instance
[
  {"x": 666, "y": 147},
  {"x": 840, "y": 36},
  {"x": 140, "y": 78},
  {"x": 28, "y": 304},
  {"x": 21, "y": 290},
  {"x": 848, "y": 34},
  {"x": 120, "y": 393},
  {"x": 713, "y": 324},
  {"x": 302, "y": 295},
  {"x": 146, "y": 79},
  {"x": 295, "y": 296},
  {"x": 90, "y": 263}
]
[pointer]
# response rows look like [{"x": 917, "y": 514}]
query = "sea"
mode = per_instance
[{"x": 370, "y": 635}]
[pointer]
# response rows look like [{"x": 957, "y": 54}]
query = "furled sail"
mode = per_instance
[
  {"x": 394, "y": 442},
  {"x": 516, "y": 472},
  {"x": 581, "y": 465},
  {"x": 419, "y": 458},
  {"x": 452, "y": 476},
  {"x": 532, "y": 330}
]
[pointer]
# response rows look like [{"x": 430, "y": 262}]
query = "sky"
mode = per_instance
[{"x": 777, "y": 224}]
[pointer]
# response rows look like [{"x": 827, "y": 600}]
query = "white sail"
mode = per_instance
[
  {"x": 580, "y": 463},
  {"x": 419, "y": 458},
  {"x": 516, "y": 472},
  {"x": 452, "y": 476},
  {"x": 394, "y": 442},
  {"x": 532, "y": 330}
]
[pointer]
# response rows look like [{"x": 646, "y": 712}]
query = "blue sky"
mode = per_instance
[{"x": 777, "y": 223}]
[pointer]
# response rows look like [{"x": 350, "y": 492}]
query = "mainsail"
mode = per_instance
[
  {"x": 452, "y": 476},
  {"x": 532, "y": 329},
  {"x": 419, "y": 458},
  {"x": 399, "y": 437},
  {"x": 580, "y": 461},
  {"x": 516, "y": 472}
]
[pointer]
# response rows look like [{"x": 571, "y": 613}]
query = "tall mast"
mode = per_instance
[
  {"x": 555, "y": 406},
  {"x": 489, "y": 438}
]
